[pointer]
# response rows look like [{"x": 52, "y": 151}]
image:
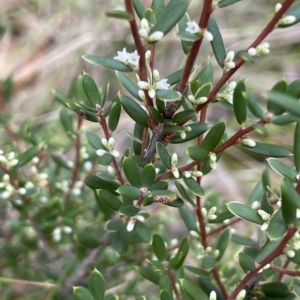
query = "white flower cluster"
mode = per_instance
[
  {"x": 208, "y": 251},
  {"x": 294, "y": 245},
  {"x": 129, "y": 59},
  {"x": 266, "y": 218},
  {"x": 241, "y": 295},
  {"x": 56, "y": 233},
  {"x": 227, "y": 93},
  {"x": 6, "y": 189},
  {"x": 248, "y": 142},
  {"x": 9, "y": 160},
  {"x": 285, "y": 20},
  {"x": 262, "y": 48},
  {"x": 109, "y": 145},
  {"x": 197, "y": 101},
  {"x": 209, "y": 215},
  {"x": 228, "y": 62},
  {"x": 193, "y": 27},
  {"x": 153, "y": 84},
  {"x": 188, "y": 174},
  {"x": 212, "y": 160},
  {"x": 144, "y": 33}
]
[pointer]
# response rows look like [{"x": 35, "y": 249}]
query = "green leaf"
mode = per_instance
[
  {"x": 187, "y": 36},
  {"x": 114, "y": 114},
  {"x": 214, "y": 136},
  {"x": 139, "y": 8},
  {"x": 67, "y": 123},
  {"x": 197, "y": 153},
  {"x": 131, "y": 87},
  {"x": 183, "y": 192},
  {"x": 107, "y": 62},
  {"x": 282, "y": 169},
  {"x": 267, "y": 150},
  {"x": 189, "y": 218},
  {"x": 110, "y": 199},
  {"x": 96, "y": 285},
  {"x": 204, "y": 90},
  {"x": 60, "y": 162},
  {"x": 168, "y": 95},
  {"x": 293, "y": 11},
  {"x": 129, "y": 211},
  {"x": 86, "y": 239},
  {"x": 290, "y": 200},
  {"x": 246, "y": 262},
  {"x": 148, "y": 175},
  {"x": 148, "y": 273},
  {"x": 274, "y": 289},
  {"x": 174, "y": 77},
  {"x": 204, "y": 73},
  {"x": 242, "y": 240},
  {"x": 245, "y": 212},
  {"x": 164, "y": 295},
  {"x": 194, "y": 186},
  {"x": 132, "y": 172},
  {"x": 177, "y": 261},
  {"x": 277, "y": 227},
  {"x": 253, "y": 106},
  {"x": 284, "y": 119},
  {"x": 129, "y": 191},
  {"x": 170, "y": 16},
  {"x": 222, "y": 243},
  {"x": 224, "y": 3},
  {"x": 183, "y": 116},
  {"x": 91, "y": 90},
  {"x": 217, "y": 43},
  {"x": 135, "y": 111},
  {"x": 150, "y": 16},
  {"x": 208, "y": 262},
  {"x": 113, "y": 225},
  {"x": 196, "y": 130},
  {"x": 296, "y": 286},
  {"x": 285, "y": 102},
  {"x": 239, "y": 103},
  {"x": 245, "y": 56},
  {"x": 280, "y": 87},
  {"x": 297, "y": 147},
  {"x": 81, "y": 293},
  {"x": 27, "y": 156},
  {"x": 143, "y": 232},
  {"x": 156, "y": 114},
  {"x": 224, "y": 215},
  {"x": 163, "y": 155},
  {"x": 119, "y": 14},
  {"x": 159, "y": 248},
  {"x": 293, "y": 89},
  {"x": 158, "y": 6},
  {"x": 95, "y": 182},
  {"x": 105, "y": 159},
  {"x": 94, "y": 140},
  {"x": 192, "y": 290}
]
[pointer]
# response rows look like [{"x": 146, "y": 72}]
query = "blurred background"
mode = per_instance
[{"x": 43, "y": 41}]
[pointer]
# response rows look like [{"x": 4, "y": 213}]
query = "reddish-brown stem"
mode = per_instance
[
  {"x": 278, "y": 251},
  {"x": 141, "y": 51},
  {"x": 216, "y": 276},
  {"x": 206, "y": 11},
  {"x": 173, "y": 284},
  {"x": 107, "y": 134},
  {"x": 265, "y": 32},
  {"x": 153, "y": 47},
  {"x": 144, "y": 140},
  {"x": 283, "y": 271},
  {"x": 201, "y": 222},
  {"x": 297, "y": 188}
]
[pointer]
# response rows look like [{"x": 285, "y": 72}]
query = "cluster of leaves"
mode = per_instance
[{"x": 54, "y": 197}]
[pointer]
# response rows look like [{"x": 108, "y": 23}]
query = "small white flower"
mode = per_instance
[
  {"x": 131, "y": 224},
  {"x": 197, "y": 173},
  {"x": 201, "y": 100},
  {"x": 104, "y": 142},
  {"x": 228, "y": 62},
  {"x": 145, "y": 31},
  {"x": 70, "y": 164},
  {"x": 101, "y": 152},
  {"x": 287, "y": 20},
  {"x": 289, "y": 253},
  {"x": 182, "y": 134},
  {"x": 114, "y": 153},
  {"x": 111, "y": 143},
  {"x": 248, "y": 142},
  {"x": 255, "y": 204},
  {"x": 263, "y": 48},
  {"x": 187, "y": 174},
  {"x": 162, "y": 84},
  {"x": 204, "y": 212},
  {"x": 207, "y": 35},
  {"x": 129, "y": 59},
  {"x": 266, "y": 217},
  {"x": 35, "y": 160},
  {"x": 174, "y": 159},
  {"x": 148, "y": 55},
  {"x": 22, "y": 191},
  {"x": 194, "y": 234},
  {"x": 212, "y": 295},
  {"x": 241, "y": 295},
  {"x": 5, "y": 194},
  {"x": 252, "y": 51},
  {"x": 142, "y": 95},
  {"x": 227, "y": 93},
  {"x": 18, "y": 202},
  {"x": 67, "y": 229},
  {"x": 56, "y": 234},
  {"x": 192, "y": 27},
  {"x": 111, "y": 170},
  {"x": 175, "y": 172},
  {"x": 87, "y": 166},
  {"x": 155, "y": 36},
  {"x": 277, "y": 7}
]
